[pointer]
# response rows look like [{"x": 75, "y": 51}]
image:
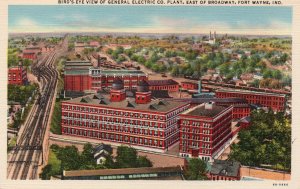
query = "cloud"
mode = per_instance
[
  {"x": 26, "y": 22},
  {"x": 81, "y": 23}
]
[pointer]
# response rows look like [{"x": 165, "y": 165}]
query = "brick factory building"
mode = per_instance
[
  {"x": 76, "y": 76},
  {"x": 31, "y": 53},
  {"x": 189, "y": 85},
  {"x": 17, "y": 75},
  {"x": 81, "y": 76},
  {"x": 240, "y": 111},
  {"x": 140, "y": 122},
  {"x": 168, "y": 84},
  {"x": 274, "y": 101},
  {"x": 105, "y": 78},
  {"x": 205, "y": 130}
]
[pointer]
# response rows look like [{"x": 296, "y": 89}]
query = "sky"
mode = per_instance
[{"x": 151, "y": 19}]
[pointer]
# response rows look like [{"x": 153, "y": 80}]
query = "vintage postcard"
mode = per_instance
[{"x": 134, "y": 93}]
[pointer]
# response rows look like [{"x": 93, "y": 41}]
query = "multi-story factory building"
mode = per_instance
[
  {"x": 140, "y": 122},
  {"x": 205, "y": 130},
  {"x": 17, "y": 75},
  {"x": 82, "y": 76},
  {"x": 274, "y": 101}
]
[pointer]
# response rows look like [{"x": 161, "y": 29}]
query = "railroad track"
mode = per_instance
[{"x": 25, "y": 159}]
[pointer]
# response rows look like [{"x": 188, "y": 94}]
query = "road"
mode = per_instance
[{"x": 26, "y": 157}]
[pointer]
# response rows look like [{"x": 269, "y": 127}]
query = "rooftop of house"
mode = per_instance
[
  {"x": 225, "y": 168},
  {"x": 209, "y": 109},
  {"x": 102, "y": 146},
  {"x": 102, "y": 100}
]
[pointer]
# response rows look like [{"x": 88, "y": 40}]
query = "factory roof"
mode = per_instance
[
  {"x": 156, "y": 105},
  {"x": 124, "y": 171},
  {"x": 162, "y": 82},
  {"x": 250, "y": 92},
  {"x": 201, "y": 110}
]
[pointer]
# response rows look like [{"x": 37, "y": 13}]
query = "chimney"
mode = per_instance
[{"x": 209, "y": 105}]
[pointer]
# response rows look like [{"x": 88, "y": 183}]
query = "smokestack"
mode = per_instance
[
  {"x": 99, "y": 61},
  {"x": 199, "y": 87}
]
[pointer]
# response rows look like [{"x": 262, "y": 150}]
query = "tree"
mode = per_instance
[
  {"x": 70, "y": 158},
  {"x": 175, "y": 71},
  {"x": 144, "y": 162},
  {"x": 126, "y": 157},
  {"x": 87, "y": 157},
  {"x": 109, "y": 51},
  {"x": 196, "y": 170},
  {"x": 46, "y": 172},
  {"x": 266, "y": 142}
]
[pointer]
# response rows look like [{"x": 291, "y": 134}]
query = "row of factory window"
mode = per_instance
[
  {"x": 241, "y": 110},
  {"x": 164, "y": 87},
  {"x": 116, "y": 121},
  {"x": 114, "y": 137},
  {"x": 195, "y": 131},
  {"x": 252, "y": 96},
  {"x": 113, "y": 112},
  {"x": 195, "y": 137},
  {"x": 131, "y": 176},
  {"x": 96, "y": 123},
  {"x": 196, "y": 124},
  {"x": 126, "y": 129},
  {"x": 176, "y": 112},
  {"x": 195, "y": 144}
]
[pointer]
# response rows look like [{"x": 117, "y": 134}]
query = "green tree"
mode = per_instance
[
  {"x": 196, "y": 170},
  {"x": 126, "y": 157},
  {"x": 87, "y": 157},
  {"x": 70, "y": 158},
  {"x": 142, "y": 161},
  {"x": 46, "y": 172},
  {"x": 266, "y": 142}
]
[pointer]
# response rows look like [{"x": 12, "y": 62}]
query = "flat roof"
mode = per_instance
[
  {"x": 120, "y": 72},
  {"x": 201, "y": 111},
  {"x": 250, "y": 92},
  {"x": 162, "y": 82},
  {"x": 125, "y": 171},
  {"x": 76, "y": 72},
  {"x": 217, "y": 100},
  {"x": 156, "y": 105}
]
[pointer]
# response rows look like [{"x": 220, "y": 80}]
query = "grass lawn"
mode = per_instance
[
  {"x": 56, "y": 118},
  {"x": 54, "y": 162},
  {"x": 12, "y": 143}
]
